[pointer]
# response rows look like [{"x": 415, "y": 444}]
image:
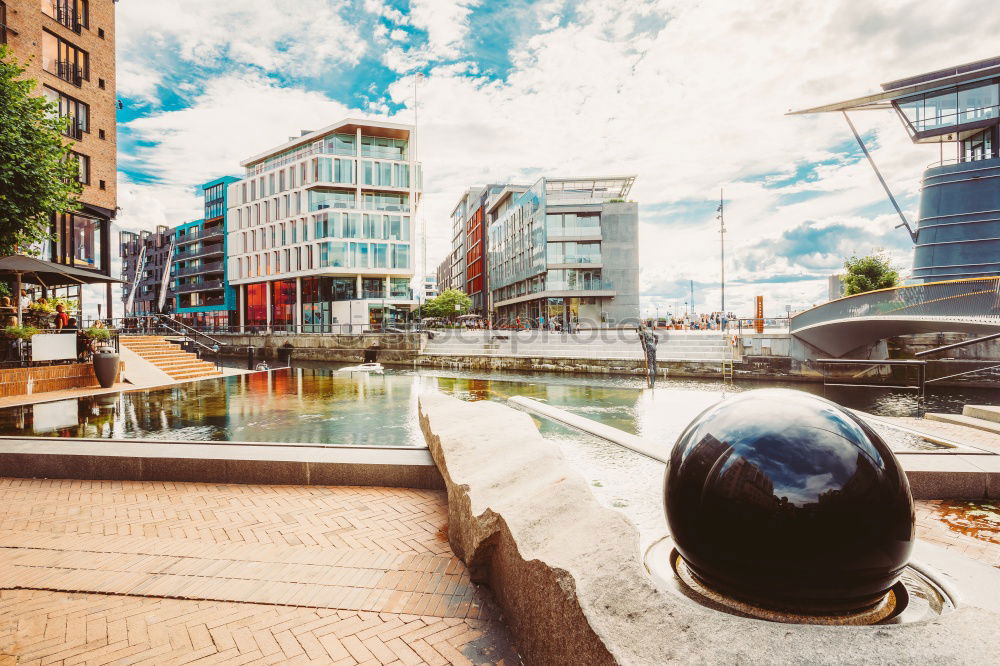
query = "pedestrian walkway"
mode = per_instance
[{"x": 150, "y": 572}]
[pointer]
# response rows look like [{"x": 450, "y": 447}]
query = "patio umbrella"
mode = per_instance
[{"x": 46, "y": 273}]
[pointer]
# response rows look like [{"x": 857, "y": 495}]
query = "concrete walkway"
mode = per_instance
[{"x": 159, "y": 573}]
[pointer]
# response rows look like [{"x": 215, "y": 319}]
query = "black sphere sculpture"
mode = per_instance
[{"x": 787, "y": 501}]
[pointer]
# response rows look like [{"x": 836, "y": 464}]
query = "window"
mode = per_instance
[
  {"x": 102, "y": 185},
  {"x": 3, "y": 23},
  {"x": 100, "y": 134},
  {"x": 343, "y": 171},
  {"x": 77, "y": 112},
  {"x": 100, "y": 83},
  {"x": 390, "y": 149},
  {"x": 84, "y": 164},
  {"x": 74, "y": 14},
  {"x": 66, "y": 61}
]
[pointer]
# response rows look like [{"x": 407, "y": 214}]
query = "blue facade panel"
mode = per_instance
[{"x": 958, "y": 233}]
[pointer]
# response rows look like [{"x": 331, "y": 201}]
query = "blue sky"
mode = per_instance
[{"x": 688, "y": 96}]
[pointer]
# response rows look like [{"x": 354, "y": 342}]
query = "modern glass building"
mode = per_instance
[
  {"x": 321, "y": 229},
  {"x": 200, "y": 276},
  {"x": 565, "y": 249},
  {"x": 958, "y": 108}
]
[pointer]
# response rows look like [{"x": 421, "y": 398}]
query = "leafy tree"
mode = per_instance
[
  {"x": 38, "y": 174},
  {"x": 444, "y": 304},
  {"x": 868, "y": 273}
]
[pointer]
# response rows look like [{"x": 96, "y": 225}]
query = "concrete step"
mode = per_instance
[
  {"x": 985, "y": 412},
  {"x": 203, "y": 374},
  {"x": 968, "y": 421}
]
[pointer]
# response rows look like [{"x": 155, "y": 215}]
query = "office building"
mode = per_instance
[
  {"x": 321, "y": 229},
  {"x": 430, "y": 287},
  {"x": 204, "y": 295},
  {"x": 146, "y": 259},
  {"x": 68, "y": 46},
  {"x": 958, "y": 110},
  {"x": 565, "y": 249}
]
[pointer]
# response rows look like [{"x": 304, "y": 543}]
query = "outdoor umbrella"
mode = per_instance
[{"x": 46, "y": 273}]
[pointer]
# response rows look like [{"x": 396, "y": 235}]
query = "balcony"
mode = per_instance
[
  {"x": 68, "y": 71},
  {"x": 201, "y": 234},
  {"x": 186, "y": 251},
  {"x": 205, "y": 267},
  {"x": 204, "y": 285}
]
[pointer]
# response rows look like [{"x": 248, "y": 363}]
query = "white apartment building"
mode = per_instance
[{"x": 321, "y": 229}]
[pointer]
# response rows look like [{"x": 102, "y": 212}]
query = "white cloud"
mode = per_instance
[{"x": 688, "y": 96}]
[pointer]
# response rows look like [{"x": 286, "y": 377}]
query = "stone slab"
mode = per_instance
[
  {"x": 247, "y": 462},
  {"x": 946, "y": 476},
  {"x": 568, "y": 575},
  {"x": 968, "y": 421}
]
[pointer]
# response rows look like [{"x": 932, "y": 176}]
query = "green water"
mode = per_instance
[{"x": 319, "y": 405}]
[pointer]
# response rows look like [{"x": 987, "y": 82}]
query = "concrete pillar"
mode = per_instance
[
  {"x": 267, "y": 301},
  {"x": 387, "y": 283},
  {"x": 241, "y": 304},
  {"x": 298, "y": 305},
  {"x": 358, "y": 287},
  {"x": 358, "y": 170}
]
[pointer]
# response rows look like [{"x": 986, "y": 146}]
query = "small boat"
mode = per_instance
[{"x": 364, "y": 367}]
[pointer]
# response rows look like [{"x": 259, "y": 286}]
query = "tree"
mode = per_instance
[
  {"x": 869, "y": 273},
  {"x": 444, "y": 304},
  {"x": 38, "y": 174}
]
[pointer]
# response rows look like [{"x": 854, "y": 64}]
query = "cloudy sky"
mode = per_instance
[{"x": 689, "y": 96}]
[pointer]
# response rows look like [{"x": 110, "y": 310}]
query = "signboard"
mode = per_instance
[
  {"x": 53, "y": 346},
  {"x": 759, "y": 321}
]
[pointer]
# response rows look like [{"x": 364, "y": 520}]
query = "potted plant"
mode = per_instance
[
  {"x": 105, "y": 357},
  {"x": 20, "y": 332}
]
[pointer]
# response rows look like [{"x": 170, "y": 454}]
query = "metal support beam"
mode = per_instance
[
  {"x": 964, "y": 343},
  {"x": 864, "y": 149}
]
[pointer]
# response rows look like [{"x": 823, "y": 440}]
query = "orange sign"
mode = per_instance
[{"x": 759, "y": 321}]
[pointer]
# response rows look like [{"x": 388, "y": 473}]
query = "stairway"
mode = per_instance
[
  {"x": 179, "y": 365},
  {"x": 981, "y": 417}
]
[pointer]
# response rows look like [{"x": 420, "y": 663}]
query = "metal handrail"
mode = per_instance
[{"x": 971, "y": 298}]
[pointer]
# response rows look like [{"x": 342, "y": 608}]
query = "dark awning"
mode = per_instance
[{"x": 47, "y": 273}]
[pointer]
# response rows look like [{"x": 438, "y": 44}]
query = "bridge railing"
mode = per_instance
[{"x": 976, "y": 298}]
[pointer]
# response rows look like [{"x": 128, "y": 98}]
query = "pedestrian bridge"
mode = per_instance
[{"x": 955, "y": 306}]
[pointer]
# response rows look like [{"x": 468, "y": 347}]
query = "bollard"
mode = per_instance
[{"x": 250, "y": 359}]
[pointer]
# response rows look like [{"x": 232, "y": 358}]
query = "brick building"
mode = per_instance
[{"x": 68, "y": 46}]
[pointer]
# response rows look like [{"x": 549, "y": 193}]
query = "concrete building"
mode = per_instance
[
  {"x": 321, "y": 229},
  {"x": 204, "y": 296},
  {"x": 68, "y": 46},
  {"x": 834, "y": 287},
  {"x": 957, "y": 108},
  {"x": 430, "y": 288},
  {"x": 146, "y": 259},
  {"x": 565, "y": 249}
]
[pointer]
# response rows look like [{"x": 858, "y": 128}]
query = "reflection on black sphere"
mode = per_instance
[{"x": 786, "y": 500}]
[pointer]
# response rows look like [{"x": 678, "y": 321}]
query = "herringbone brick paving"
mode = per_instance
[{"x": 104, "y": 572}]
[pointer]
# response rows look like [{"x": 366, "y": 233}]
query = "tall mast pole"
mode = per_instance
[
  {"x": 722, "y": 250},
  {"x": 420, "y": 218}
]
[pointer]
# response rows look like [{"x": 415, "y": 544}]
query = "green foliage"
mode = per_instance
[
  {"x": 49, "y": 306},
  {"x": 97, "y": 334},
  {"x": 20, "y": 332},
  {"x": 868, "y": 273},
  {"x": 38, "y": 174},
  {"x": 444, "y": 304}
]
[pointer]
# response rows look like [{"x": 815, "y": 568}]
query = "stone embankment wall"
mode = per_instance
[
  {"x": 392, "y": 347},
  {"x": 568, "y": 573}
]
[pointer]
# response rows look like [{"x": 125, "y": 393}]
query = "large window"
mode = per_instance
[
  {"x": 215, "y": 201},
  {"x": 572, "y": 224},
  {"x": 74, "y": 14},
  {"x": 385, "y": 201},
  {"x": 574, "y": 253},
  {"x": 389, "y": 149},
  {"x": 77, "y": 112},
  {"x": 66, "y": 61},
  {"x": 955, "y": 106},
  {"x": 83, "y": 163},
  {"x": 256, "y": 305},
  {"x": 339, "y": 144},
  {"x": 322, "y": 199}
]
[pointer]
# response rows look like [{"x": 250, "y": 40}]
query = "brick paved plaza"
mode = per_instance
[{"x": 98, "y": 572}]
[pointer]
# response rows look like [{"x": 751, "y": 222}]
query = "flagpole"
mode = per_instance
[{"x": 722, "y": 250}]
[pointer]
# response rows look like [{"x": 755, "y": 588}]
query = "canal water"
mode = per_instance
[
  {"x": 320, "y": 405},
  {"x": 326, "y": 406}
]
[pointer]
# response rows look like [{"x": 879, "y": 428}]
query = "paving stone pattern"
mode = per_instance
[
  {"x": 971, "y": 528},
  {"x": 103, "y": 572}
]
